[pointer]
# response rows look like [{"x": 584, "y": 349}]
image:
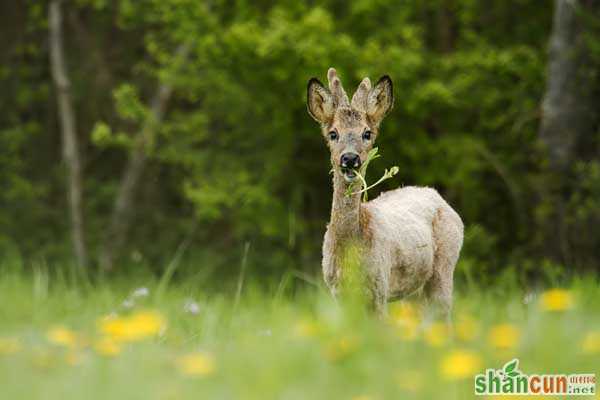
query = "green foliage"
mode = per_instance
[
  {"x": 236, "y": 153},
  {"x": 128, "y": 104},
  {"x": 583, "y": 212},
  {"x": 276, "y": 345},
  {"x": 353, "y": 290},
  {"x": 362, "y": 174}
]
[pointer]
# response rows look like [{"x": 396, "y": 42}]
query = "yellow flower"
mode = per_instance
[
  {"x": 362, "y": 397},
  {"x": 341, "y": 348},
  {"x": 198, "y": 364},
  {"x": 305, "y": 329},
  {"x": 466, "y": 328},
  {"x": 147, "y": 323},
  {"x": 406, "y": 318},
  {"x": 402, "y": 311},
  {"x": 504, "y": 336},
  {"x": 410, "y": 381},
  {"x": 139, "y": 326},
  {"x": 62, "y": 336},
  {"x": 460, "y": 364},
  {"x": 115, "y": 327},
  {"x": 591, "y": 343},
  {"x": 436, "y": 335},
  {"x": 107, "y": 347},
  {"x": 557, "y": 300},
  {"x": 9, "y": 346}
]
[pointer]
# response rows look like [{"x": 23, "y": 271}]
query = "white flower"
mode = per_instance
[
  {"x": 140, "y": 292},
  {"x": 128, "y": 303},
  {"x": 191, "y": 307},
  {"x": 529, "y": 298}
]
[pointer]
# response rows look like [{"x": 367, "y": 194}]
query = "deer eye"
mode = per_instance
[
  {"x": 333, "y": 135},
  {"x": 367, "y": 135}
]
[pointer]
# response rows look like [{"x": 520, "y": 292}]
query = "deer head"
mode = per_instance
[{"x": 349, "y": 127}]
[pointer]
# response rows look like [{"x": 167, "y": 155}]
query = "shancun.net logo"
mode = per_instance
[{"x": 510, "y": 381}]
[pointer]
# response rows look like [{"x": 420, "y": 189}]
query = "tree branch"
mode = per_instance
[
  {"x": 123, "y": 209},
  {"x": 69, "y": 133}
]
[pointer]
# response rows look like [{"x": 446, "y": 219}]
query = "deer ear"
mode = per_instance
[
  {"x": 320, "y": 101},
  {"x": 380, "y": 99}
]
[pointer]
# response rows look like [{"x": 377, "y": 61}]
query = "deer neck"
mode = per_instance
[{"x": 345, "y": 211}]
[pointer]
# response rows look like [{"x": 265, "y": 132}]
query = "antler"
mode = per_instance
[
  {"x": 359, "y": 100},
  {"x": 335, "y": 87}
]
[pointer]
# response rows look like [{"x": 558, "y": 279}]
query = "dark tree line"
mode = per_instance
[{"x": 177, "y": 122}]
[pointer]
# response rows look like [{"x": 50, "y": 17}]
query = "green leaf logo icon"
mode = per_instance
[{"x": 510, "y": 368}]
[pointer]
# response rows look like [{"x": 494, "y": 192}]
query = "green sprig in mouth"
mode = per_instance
[{"x": 361, "y": 173}]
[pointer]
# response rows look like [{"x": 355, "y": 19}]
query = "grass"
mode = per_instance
[{"x": 184, "y": 341}]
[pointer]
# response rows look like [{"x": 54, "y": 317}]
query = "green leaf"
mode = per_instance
[
  {"x": 373, "y": 154},
  {"x": 101, "y": 133},
  {"x": 511, "y": 366},
  {"x": 362, "y": 173}
]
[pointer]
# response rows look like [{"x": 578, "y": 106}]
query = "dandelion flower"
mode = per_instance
[
  {"x": 107, "y": 347},
  {"x": 62, "y": 336},
  {"x": 460, "y": 364},
  {"x": 436, "y": 335},
  {"x": 113, "y": 326},
  {"x": 557, "y": 300},
  {"x": 198, "y": 364},
  {"x": 9, "y": 346},
  {"x": 504, "y": 336},
  {"x": 137, "y": 327},
  {"x": 591, "y": 343},
  {"x": 147, "y": 323}
]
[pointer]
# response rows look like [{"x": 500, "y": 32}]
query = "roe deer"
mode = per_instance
[{"x": 409, "y": 238}]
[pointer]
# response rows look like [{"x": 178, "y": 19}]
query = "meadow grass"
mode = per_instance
[{"x": 125, "y": 339}]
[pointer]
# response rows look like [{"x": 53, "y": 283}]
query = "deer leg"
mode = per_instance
[
  {"x": 447, "y": 236},
  {"x": 379, "y": 297},
  {"x": 438, "y": 292}
]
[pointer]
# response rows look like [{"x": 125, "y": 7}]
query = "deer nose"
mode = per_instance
[{"x": 350, "y": 160}]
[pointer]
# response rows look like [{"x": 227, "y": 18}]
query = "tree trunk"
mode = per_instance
[
  {"x": 69, "y": 133},
  {"x": 563, "y": 112},
  {"x": 446, "y": 26},
  {"x": 567, "y": 115},
  {"x": 121, "y": 217}
]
